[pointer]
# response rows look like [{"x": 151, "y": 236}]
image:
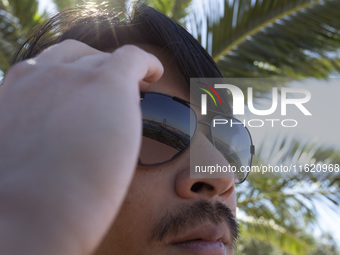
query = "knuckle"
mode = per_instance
[
  {"x": 70, "y": 43},
  {"x": 20, "y": 68},
  {"x": 76, "y": 45},
  {"x": 24, "y": 65},
  {"x": 65, "y": 44},
  {"x": 129, "y": 49},
  {"x": 127, "y": 57}
]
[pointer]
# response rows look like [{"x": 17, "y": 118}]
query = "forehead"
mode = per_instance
[{"x": 172, "y": 82}]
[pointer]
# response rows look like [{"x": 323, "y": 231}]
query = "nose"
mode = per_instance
[{"x": 203, "y": 153}]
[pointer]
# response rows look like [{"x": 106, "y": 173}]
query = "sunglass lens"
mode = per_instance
[
  {"x": 166, "y": 128},
  {"x": 232, "y": 139}
]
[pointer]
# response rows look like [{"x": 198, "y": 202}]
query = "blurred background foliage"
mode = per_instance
[{"x": 249, "y": 38}]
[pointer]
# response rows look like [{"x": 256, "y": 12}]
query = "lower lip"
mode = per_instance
[{"x": 202, "y": 247}]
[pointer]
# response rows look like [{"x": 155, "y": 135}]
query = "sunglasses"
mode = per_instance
[{"x": 170, "y": 124}]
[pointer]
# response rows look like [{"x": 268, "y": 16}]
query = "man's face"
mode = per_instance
[{"x": 165, "y": 211}]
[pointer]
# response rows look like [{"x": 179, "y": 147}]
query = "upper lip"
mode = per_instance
[{"x": 205, "y": 232}]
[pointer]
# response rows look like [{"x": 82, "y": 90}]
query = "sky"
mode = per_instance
[{"x": 46, "y": 5}]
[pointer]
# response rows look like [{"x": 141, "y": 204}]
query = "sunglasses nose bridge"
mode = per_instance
[{"x": 205, "y": 128}]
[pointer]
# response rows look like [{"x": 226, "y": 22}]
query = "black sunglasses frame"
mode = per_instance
[{"x": 188, "y": 104}]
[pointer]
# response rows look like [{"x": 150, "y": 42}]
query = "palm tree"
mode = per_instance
[
  {"x": 247, "y": 38},
  {"x": 277, "y": 210},
  {"x": 17, "y": 18},
  {"x": 289, "y": 38}
]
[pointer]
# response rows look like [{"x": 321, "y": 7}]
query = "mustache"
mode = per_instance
[{"x": 197, "y": 213}]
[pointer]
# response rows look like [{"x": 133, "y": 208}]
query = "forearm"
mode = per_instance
[{"x": 50, "y": 214}]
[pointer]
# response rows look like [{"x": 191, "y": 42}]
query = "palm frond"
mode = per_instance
[
  {"x": 64, "y": 4},
  {"x": 291, "y": 38},
  {"x": 269, "y": 231},
  {"x": 280, "y": 199},
  {"x": 17, "y": 18},
  {"x": 26, "y": 11},
  {"x": 290, "y": 200},
  {"x": 175, "y": 9}
]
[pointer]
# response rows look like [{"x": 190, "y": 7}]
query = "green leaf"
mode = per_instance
[
  {"x": 273, "y": 38},
  {"x": 17, "y": 18},
  {"x": 269, "y": 231}
]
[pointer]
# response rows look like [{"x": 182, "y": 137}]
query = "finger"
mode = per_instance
[
  {"x": 67, "y": 51},
  {"x": 143, "y": 85},
  {"x": 92, "y": 61},
  {"x": 136, "y": 64}
]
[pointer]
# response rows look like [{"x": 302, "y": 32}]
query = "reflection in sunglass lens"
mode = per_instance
[
  {"x": 169, "y": 124},
  {"x": 166, "y": 128}
]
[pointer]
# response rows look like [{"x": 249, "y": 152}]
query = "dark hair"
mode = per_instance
[{"x": 105, "y": 29}]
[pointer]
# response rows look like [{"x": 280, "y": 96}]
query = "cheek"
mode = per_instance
[
  {"x": 146, "y": 203},
  {"x": 232, "y": 203},
  {"x": 144, "y": 199}
]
